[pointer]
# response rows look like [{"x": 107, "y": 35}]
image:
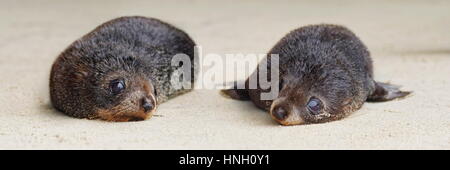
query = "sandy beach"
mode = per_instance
[{"x": 409, "y": 42}]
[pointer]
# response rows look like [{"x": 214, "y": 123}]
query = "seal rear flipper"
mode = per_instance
[
  {"x": 386, "y": 92},
  {"x": 236, "y": 93}
]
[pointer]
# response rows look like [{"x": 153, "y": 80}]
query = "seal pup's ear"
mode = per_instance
[
  {"x": 235, "y": 92},
  {"x": 386, "y": 92}
]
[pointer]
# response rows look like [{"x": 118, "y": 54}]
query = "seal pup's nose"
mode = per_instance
[
  {"x": 147, "y": 105},
  {"x": 280, "y": 113}
]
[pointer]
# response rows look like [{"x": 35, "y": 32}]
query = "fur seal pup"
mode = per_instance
[
  {"x": 120, "y": 71},
  {"x": 325, "y": 74}
]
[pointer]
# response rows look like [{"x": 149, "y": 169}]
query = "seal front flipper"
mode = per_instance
[
  {"x": 386, "y": 92},
  {"x": 236, "y": 93}
]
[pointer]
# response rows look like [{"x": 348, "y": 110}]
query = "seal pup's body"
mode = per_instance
[
  {"x": 120, "y": 71},
  {"x": 325, "y": 74}
]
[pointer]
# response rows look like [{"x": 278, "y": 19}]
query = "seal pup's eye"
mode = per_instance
[
  {"x": 314, "y": 105},
  {"x": 117, "y": 86}
]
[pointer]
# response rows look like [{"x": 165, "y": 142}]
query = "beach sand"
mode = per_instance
[{"x": 409, "y": 42}]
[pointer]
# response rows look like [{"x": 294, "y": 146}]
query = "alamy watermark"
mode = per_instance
[{"x": 214, "y": 71}]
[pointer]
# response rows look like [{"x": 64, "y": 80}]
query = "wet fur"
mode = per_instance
[
  {"x": 325, "y": 61},
  {"x": 137, "y": 48}
]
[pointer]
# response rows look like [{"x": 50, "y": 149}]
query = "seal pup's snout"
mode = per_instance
[
  {"x": 285, "y": 113},
  {"x": 279, "y": 113},
  {"x": 147, "y": 105},
  {"x": 286, "y": 117}
]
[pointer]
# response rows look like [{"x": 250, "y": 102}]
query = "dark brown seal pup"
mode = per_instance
[
  {"x": 325, "y": 74},
  {"x": 120, "y": 71}
]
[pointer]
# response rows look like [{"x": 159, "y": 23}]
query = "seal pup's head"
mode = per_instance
[
  {"x": 316, "y": 95},
  {"x": 108, "y": 88},
  {"x": 122, "y": 96}
]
